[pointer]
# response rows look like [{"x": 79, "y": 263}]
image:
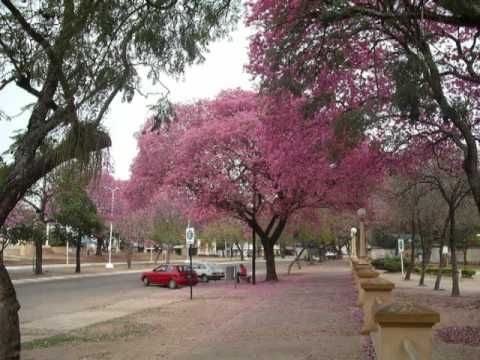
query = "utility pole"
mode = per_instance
[{"x": 109, "y": 265}]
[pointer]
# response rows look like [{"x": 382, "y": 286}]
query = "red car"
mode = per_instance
[{"x": 169, "y": 275}]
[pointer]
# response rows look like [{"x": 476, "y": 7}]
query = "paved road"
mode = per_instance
[{"x": 42, "y": 300}]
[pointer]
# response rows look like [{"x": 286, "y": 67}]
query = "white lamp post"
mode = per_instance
[
  {"x": 109, "y": 265},
  {"x": 363, "y": 244},
  {"x": 353, "y": 249}
]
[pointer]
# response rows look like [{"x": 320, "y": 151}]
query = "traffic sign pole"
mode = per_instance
[
  {"x": 191, "y": 271},
  {"x": 401, "y": 248},
  {"x": 190, "y": 239}
]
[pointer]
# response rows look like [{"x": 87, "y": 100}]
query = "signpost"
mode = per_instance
[
  {"x": 401, "y": 249},
  {"x": 190, "y": 239}
]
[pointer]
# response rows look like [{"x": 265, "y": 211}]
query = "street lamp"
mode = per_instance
[
  {"x": 109, "y": 265},
  {"x": 353, "y": 249},
  {"x": 362, "y": 212}
]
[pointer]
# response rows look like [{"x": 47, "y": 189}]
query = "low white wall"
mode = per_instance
[
  {"x": 377, "y": 253},
  {"x": 473, "y": 255}
]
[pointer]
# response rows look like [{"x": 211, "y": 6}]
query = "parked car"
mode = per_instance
[
  {"x": 331, "y": 254},
  {"x": 169, "y": 275},
  {"x": 206, "y": 271}
]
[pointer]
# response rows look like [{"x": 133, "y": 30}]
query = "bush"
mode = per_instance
[
  {"x": 447, "y": 271},
  {"x": 468, "y": 273},
  {"x": 390, "y": 264}
]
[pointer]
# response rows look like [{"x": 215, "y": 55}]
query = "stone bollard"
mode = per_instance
[
  {"x": 404, "y": 331},
  {"x": 375, "y": 290},
  {"x": 363, "y": 275},
  {"x": 359, "y": 267}
]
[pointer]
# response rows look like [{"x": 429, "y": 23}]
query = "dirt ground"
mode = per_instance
[{"x": 308, "y": 315}]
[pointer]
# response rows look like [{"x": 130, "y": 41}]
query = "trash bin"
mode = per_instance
[{"x": 230, "y": 273}]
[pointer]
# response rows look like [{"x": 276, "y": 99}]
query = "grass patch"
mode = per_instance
[
  {"x": 102, "y": 332},
  {"x": 48, "y": 342}
]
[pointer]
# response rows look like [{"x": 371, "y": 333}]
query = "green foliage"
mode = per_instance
[
  {"x": 74, "y": 209},
  {"x": 350, "y": 127},
  {"x": 447, "y": 271},
  {"x": 223, "y": 231},
  {"x": 411, "y": 90},
  {"x": 57, "y": 236},
  {"x": 168, "y": 226},
  {"x": 383, "y": 239},
  {"x": 390, "y": 264}
]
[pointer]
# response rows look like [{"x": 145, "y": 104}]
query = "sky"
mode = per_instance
[{"x": 222, "y": 69}]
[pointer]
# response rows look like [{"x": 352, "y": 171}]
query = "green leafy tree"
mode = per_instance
[
  {"x": 76, "y": 212},
  {"x": 74, "y": 58},
  {"x": 167, "y": 226},
  {"x": 227, "y": 233}
]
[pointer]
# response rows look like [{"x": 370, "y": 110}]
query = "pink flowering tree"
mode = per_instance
[
  {"x": 405, "y": 69},
  {"x": 239, "y": 156},
  {"x": 100, "y": 191}
]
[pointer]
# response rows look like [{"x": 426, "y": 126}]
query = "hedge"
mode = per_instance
[
  {"x": 447, "y": 271},
  {"x": 392, "y": 264}
]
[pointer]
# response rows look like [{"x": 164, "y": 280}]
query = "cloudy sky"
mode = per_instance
[{"x": 223, "y": 69}]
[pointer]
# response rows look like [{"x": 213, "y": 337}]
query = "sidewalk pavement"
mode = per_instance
[{"x": 308, "y": 315}]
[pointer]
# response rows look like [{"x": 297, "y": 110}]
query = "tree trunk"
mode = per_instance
[
  {"x": 157, "y": 255},
  {"x": 296, "y": 260},
  {"x": 425, "y": 252},
  {"x": 438, "y": 280},
  {"x": 167, "y": 255},
  {"x": 270, "y": 260},
  {"x": 440, "y": 261},
  {"x": 27, "y": 169},
  {"x": 1, "y": 258},
  {"x": 100, "y": 241},
  {"x": 129, "y": 256},
  {"x": 10, "y": 325},
  {"x": 465, "y": 249},
  {"x": 412, "y": 251},
  {"x": 77, "y": 257},
  {"x": 38, "y": 255},
  {"x": 241, "y": 251},
  {"x": 453, "y": 251},
  {"x": 425, "y": 261}
]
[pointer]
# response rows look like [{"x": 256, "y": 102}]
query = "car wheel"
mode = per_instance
[
  {"x": 172, "y": 284},
  {"x": 146, "y": 281},
  {"x": 204, "y": 278}
]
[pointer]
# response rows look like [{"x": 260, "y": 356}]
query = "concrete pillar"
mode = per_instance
[
  {"x": 404, "y": 331},
  {"x": 363, "y": 275},
  {"x": 376, "y": 290},
  {"x": 362, "y": 253}
]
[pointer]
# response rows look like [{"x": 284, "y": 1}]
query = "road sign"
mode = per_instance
[{"x": 190, "y": 235}]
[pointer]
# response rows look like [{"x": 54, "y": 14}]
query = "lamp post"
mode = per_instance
[
  {"x": 362, "y": 253},
  {"x": 109, "y": 265},
  {"x": 353, "y": 248}
]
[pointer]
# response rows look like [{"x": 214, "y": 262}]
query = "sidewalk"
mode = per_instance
[{"x": 308, "y": 315}]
